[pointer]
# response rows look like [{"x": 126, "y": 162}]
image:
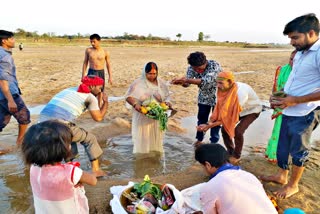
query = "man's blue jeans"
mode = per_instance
[
  {"x": 294, "y": 139},
  {"x": 203, "y": 115}
]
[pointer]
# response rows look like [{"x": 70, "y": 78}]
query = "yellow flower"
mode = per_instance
[
  {"x": 144, "y": 110},
  {"x": 164, "y": 106}
]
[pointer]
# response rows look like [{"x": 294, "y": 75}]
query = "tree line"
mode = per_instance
[{"x": 21, "y": 33}]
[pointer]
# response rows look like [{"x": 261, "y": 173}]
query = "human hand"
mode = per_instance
[
  {"x": 137, "y": 107},
  {"x": 177, "y": 81},
  {"x": 12, "y": 106},
  {"x": 110, "y": 80},
  {"x": 283, "y": 102},
  {"x": 104, "y": 97},
  {"x": 202, "y": 128}
]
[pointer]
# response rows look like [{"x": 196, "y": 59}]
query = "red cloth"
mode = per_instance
[{"x": 89, "y": 81}]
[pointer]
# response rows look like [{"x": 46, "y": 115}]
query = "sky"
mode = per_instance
[{"x": 251, "y": 21}]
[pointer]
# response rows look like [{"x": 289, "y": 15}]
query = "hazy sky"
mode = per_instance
[{"x": 224, "y": 20}]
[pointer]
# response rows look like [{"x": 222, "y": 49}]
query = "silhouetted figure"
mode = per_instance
[{"x": 20, "y": 46}]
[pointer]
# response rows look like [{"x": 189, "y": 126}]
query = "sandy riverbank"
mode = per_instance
[{"x": 45, "y": 70}]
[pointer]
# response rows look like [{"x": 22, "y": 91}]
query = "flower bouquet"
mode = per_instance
[{"x": 157, "y": 111}]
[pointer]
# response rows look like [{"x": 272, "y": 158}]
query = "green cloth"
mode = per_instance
[{"x": 271, "y": 151}]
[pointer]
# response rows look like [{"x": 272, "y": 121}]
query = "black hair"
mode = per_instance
[
  {"x": 303, "y": 24},
  {"x": 150, "y": 66},
  {"x": 197, "y": 59},
  {"x": 213, "y": 153},
  {"x": 5, "y": 35},
  {"x": 95, "y": 36},
  {"x": 47, "y": 142}
]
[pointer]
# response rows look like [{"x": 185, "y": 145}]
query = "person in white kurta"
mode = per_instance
[
  {"x": 230, "y": 189},
  {"x": 146, "y": 133}
]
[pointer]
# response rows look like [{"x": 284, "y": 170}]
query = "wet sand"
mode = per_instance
[{"x": 45, "y": 70}]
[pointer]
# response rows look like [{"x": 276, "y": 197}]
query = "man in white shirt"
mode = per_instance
[
  {"x": 301, "y": 111},
  {"x": 230, "y": 190}
]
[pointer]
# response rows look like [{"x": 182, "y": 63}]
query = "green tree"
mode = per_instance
[
  {"x": 20, "y": 32},
  {"x": 179, "y": 35},
  {"x": 200, "y": 37}
]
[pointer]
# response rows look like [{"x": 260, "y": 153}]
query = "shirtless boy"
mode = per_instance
[{"x": 96, "y": 57}]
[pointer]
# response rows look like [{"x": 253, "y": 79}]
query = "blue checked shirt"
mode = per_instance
[{"x": 208, "y": 86}]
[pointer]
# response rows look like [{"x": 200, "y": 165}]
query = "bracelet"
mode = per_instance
[{"x": 134, "y": 104}]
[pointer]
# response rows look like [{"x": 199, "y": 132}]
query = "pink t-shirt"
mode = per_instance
[
  {"x": 235, "y": 191},
  {"x": 54, "y": 189}
]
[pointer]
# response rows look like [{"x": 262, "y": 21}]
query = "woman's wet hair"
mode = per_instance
[
  {"x": 47, "y": 142},
  {"x": 150, "y": 66},
  {"x": 197, "y": 59},
  {"x": 213, "y": 153}
]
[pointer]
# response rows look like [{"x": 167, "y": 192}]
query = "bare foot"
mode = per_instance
[
  {"x": 273, "y": 178},
  {"x": 99, "y": 173},
  {"x": 286, "y": 191},
  {"x": 234, "y": 161}
]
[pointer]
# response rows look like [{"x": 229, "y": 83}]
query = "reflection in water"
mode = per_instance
[
  {"x": 117, "y": 160},
  {"x": 16, "y": 194},
  {"x": 123, "y": 164}
]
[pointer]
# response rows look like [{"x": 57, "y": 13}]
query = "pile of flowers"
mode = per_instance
[{"x": 157, "y": 111}]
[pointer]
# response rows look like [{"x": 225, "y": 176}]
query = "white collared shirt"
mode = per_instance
[{"x": 304, "y": 79}]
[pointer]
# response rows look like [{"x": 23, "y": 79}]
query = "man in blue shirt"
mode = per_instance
[
  {"x": 301, "y": 106},
  {"x": 11, "y": 103}
]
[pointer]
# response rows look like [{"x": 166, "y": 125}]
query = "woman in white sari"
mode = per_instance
[{"x": 146, "y": 133}]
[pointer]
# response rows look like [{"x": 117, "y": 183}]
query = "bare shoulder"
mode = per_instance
[
  {"x": 106, "y": 53},
  {"x": 89, "y": 49}
]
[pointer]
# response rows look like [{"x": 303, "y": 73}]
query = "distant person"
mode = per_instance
[
  {"x": 230, "y": 189},
  {"x": 20, "y": 46},
  {"x": 56, "y": 185},
  {"x": 301, "y": 105},
  {"x": 281, "y": 76},
  {"x": 69, "y": 104},
  {"x": 11, "y": 102},
  {"x": 203, "y": 73},
  {"x": 97, "y": 58},
  {"x": 146, "y": 133},
  {"x": 238, "y": 106}
]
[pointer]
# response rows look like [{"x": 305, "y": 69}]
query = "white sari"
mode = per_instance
[{"x": 146, "y": 133}]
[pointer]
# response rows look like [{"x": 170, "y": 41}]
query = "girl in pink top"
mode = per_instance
[{"x": 56, "y": 186}]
